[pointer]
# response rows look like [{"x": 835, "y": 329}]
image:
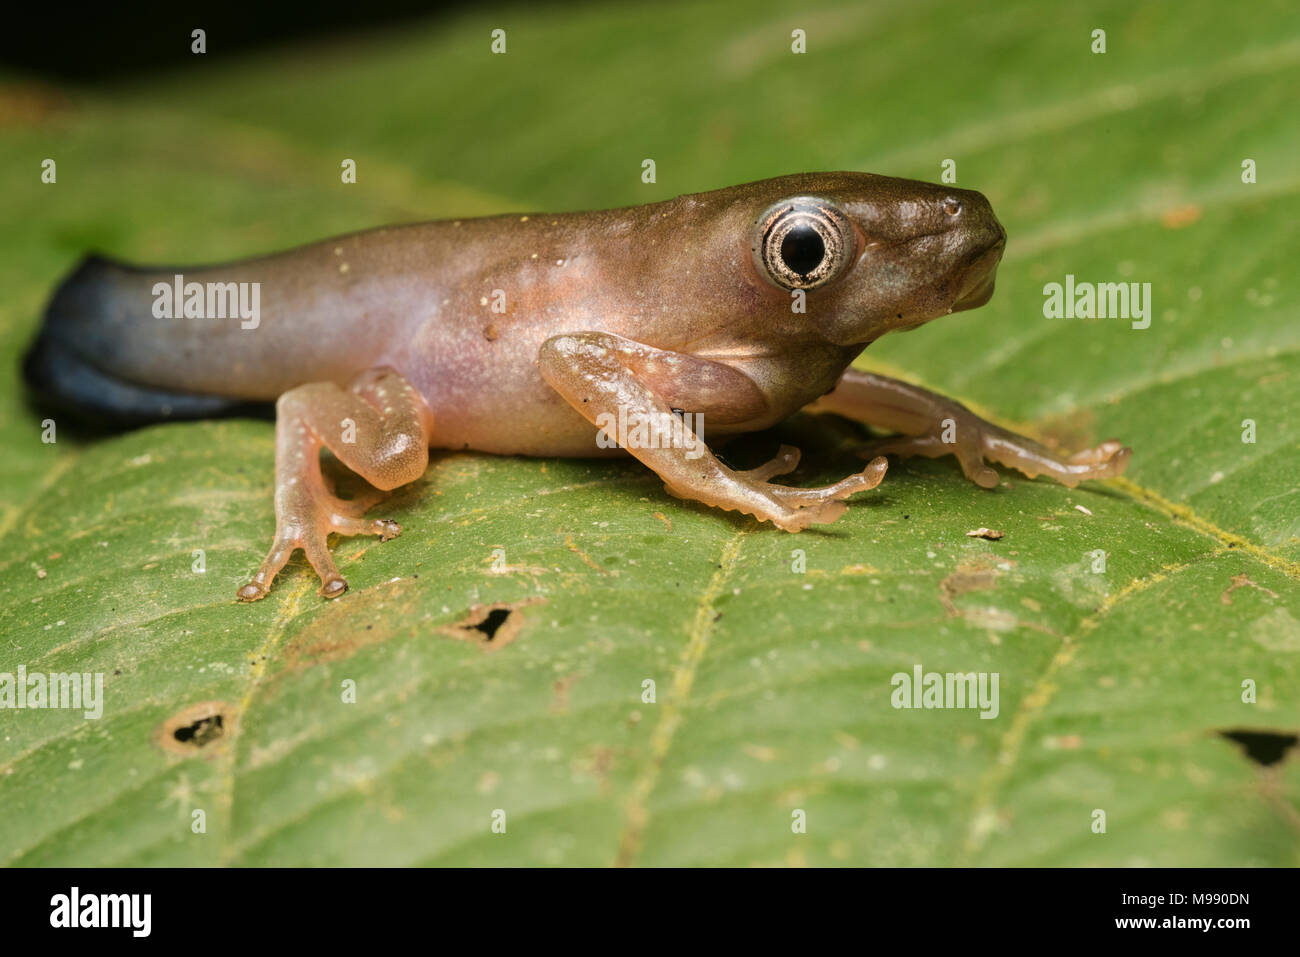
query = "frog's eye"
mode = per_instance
[{"x": 803, "y": 243}]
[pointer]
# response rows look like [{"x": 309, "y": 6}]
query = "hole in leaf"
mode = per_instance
[
  {"x": 200, "y": 732},
  {"x": 494, "y": 620},
  {"x": 1265, "y": 748},
  {"x": 490, "y": 626},
  {"x": 200, "y": 726}
]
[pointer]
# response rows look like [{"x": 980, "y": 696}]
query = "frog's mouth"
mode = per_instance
[{"x": 977, "y": 284}]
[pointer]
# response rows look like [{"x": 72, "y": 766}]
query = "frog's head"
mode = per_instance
[{"x": 876, "y": 254}]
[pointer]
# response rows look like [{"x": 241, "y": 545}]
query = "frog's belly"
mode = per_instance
[
  {"x": 487, "y": 393},
  {"x": 525, "y": 418},
  {"x": 482, "y": 382}
]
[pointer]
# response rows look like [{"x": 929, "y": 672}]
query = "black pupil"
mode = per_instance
[{"x": 802, "y": 249}]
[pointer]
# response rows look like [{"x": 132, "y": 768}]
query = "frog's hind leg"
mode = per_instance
[
  {"x": 933, "y": 426},
  {"x": 379, "y": 428}
]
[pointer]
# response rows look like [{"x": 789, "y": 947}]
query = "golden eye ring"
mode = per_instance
[{"x": 802, "y": 243}]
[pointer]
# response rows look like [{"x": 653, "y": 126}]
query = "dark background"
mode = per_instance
[{"x": 116, "y": 42}]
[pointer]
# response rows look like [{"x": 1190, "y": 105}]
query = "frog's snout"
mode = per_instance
[
  {"x": 976, "y": 286},
  {"x": 987, "y": 240}
]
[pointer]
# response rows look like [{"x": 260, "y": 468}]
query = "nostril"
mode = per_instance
[{"x": 952, "y": 207}]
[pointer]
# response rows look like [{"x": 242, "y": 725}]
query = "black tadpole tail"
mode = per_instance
[{"x": 61, "y": 370}]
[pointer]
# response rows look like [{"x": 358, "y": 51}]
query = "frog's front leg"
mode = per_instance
[
  {"x": 933, "y": 426},
  {"x": 599, "y": 374},
  {"x": 379, "y": 428}
]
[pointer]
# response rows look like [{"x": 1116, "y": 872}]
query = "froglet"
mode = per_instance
[{"x": 532, "y": 334}]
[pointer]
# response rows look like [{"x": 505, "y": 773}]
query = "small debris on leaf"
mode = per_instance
[
  {"x": 1080, "y": 508},
  {"x": 992, "y": 534}
]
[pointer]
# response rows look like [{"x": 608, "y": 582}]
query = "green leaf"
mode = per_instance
[{"x": 772, "y": 687}]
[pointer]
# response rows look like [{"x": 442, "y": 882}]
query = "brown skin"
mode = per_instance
[{"x": 685, "y": 305}]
